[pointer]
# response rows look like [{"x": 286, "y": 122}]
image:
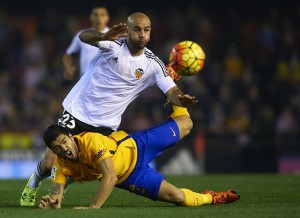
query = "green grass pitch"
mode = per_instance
[{"x": 261, "y": 196}]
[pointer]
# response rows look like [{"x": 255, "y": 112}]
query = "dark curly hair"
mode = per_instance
[{"x": 52, "y": 132}]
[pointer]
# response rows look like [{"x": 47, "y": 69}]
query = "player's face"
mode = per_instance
[
  {"x": 65, "y": 147},
  {"x": 139, "y": 33},
  {"x": 99, "y": 17}
]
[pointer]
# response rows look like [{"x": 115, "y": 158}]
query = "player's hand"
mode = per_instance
[
  {"x": 47, "y": 203},
  {"x": 69, "y": 73},
  {"x": 187, "y": 101},
  {"x": 117, "y": 31}
]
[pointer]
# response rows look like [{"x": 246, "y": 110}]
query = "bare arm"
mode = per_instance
[
  {"x": 69, "y": 68},
  {"x": 107, "y": 184},
  {"x": 176, "y": 96},
  {"x": 93, "y": 37},
  {"x": 54, "y": 200}
]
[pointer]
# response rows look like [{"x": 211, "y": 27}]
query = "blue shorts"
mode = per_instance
[{"x": 150, "y": 143}]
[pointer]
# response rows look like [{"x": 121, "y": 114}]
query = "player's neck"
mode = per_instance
[{"x": 133, "y": 51}]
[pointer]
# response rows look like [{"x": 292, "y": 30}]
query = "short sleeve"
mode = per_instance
[
  {"x": 111, "y": 45},
  {"x": 57, "y": 175},
  {"x": 74, "y": 47},
  {"x": 163, "y": 81}
]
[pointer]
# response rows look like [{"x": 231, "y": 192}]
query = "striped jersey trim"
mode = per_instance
[
  {"x": 120, "y": 41},
  {"x": 150, "y": 55}
]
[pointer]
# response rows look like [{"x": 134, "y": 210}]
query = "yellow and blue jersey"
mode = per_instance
[
  {"x": 94, "y": 148},
  {"x": 131, "y": 154}
]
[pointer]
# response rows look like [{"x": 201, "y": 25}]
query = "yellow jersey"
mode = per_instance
[{"x": 92, "y": 149}]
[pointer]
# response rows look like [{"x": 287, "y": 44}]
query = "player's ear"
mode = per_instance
[{"x": 70, "y": 135}]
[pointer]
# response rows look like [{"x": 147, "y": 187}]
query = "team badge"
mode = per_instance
[{"x": 139, "y": 73}]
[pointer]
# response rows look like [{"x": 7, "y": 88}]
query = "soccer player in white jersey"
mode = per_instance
[
  {"x": 99, "y": 19},
  {"x": 121, "y": 70}
]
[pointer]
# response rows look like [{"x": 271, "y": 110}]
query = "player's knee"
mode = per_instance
[
  {"x": 187, "y": 125},
  {"x": 47, "y": 164},
  {"x": 48, "y": 161}
]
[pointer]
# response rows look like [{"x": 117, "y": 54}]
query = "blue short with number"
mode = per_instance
[{"x": 150, "y": 143}]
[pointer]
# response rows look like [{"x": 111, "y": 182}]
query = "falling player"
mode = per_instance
[
  {"x": 122, "y": 160},
  {"x": 99, "y": 18},
  {"x": 120, "y": 71}
]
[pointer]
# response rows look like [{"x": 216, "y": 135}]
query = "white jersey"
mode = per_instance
[
  {"x": 113, "y": 80},
  {"x": 86, "y": 52}
]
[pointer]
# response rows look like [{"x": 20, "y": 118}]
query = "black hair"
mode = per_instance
[
  {"x": 99, "y": 4},
  {"x": 52, "y": 132}
]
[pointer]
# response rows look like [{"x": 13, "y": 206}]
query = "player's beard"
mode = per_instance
[{"x": 141, "y": 44}]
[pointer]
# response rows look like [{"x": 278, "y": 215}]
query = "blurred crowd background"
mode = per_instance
[{"x": 248, "y": 115}]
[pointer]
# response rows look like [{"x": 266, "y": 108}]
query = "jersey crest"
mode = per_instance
[{"x": 139, "y": 73}]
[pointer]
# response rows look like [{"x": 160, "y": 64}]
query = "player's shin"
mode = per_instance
[
  {"x": 193, "y": 199},
  {"x": 39, "y": 175}
]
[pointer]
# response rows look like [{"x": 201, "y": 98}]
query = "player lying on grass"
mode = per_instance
[
  {"x": 122, "y": 160},
  {"x": 121, "y": 70}
]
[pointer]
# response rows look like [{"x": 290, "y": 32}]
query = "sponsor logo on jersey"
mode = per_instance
[
  {"x": 100, "y": 153},
  {"x": 139, "y": 73}
]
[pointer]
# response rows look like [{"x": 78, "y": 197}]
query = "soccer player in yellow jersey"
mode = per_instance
[{"x": 122, "y": 160}]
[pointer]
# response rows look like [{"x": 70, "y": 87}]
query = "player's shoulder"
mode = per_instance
[
  {"x": 152, "y": 57},
  {"x": 82, "y": 30},
  {"x": 148, "y": 53},
  {"x": 111, "y": 45},
  {"x": 86, "y": 136},
  {"x": 120, "y": 41}
]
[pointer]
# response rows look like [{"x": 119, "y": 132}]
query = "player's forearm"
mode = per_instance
[
  {"x": 57, "y": 192},
  {"x": 173, "y": 94},
  {"x": 67, "y": 61},
  {"x": 91, "y": 37},
  {"x": 108, "y": 183}
]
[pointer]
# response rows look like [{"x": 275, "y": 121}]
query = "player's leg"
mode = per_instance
[
  {"x": 186, "y": 197},
  {"x": 43, "y": 170},
  {"x": 151, "y": 184},
  {"x": 152, "y": 142},
  {"x": 184, "y": 124},
  {"x": 182, "y": 197}
]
